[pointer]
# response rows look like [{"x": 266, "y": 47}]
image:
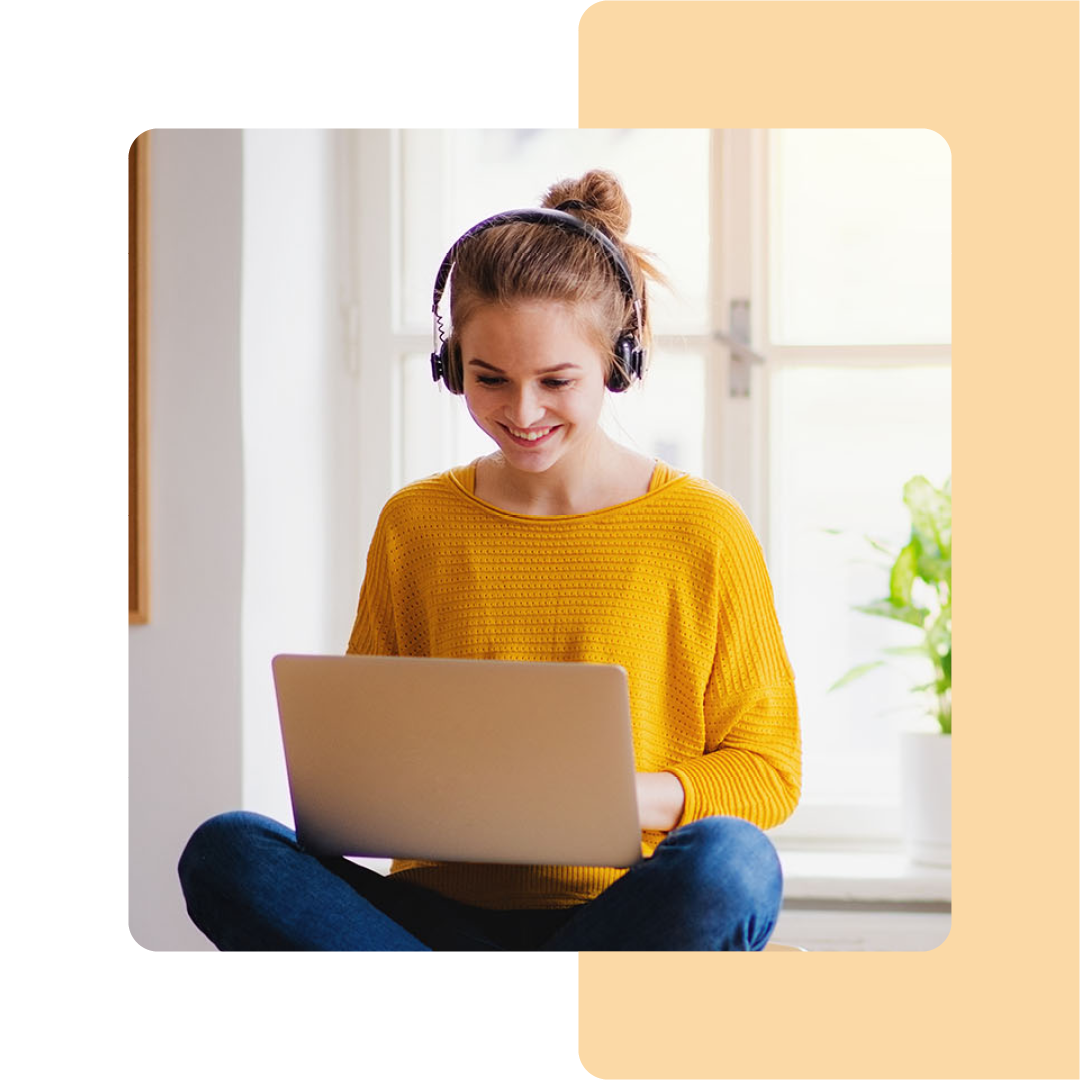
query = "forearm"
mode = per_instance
[
  {"x": 763, "y": 789},
  {"x": 755, "y": 773},
  {"x": 660, "y": 798}
]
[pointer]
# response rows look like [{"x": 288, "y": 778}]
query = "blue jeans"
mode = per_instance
[{"x": 713, "y": 884}]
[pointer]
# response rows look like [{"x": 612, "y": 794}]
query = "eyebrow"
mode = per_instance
[{"x": 546, "y": 371}]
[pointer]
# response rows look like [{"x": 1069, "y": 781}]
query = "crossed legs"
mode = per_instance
[{"x": 714, "y": 884}]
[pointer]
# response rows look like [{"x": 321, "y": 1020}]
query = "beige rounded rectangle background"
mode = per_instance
[{"x": 998, "y": 80}]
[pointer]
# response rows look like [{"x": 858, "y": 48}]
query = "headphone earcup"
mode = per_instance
[
  {"x": 627, "y": 366},
  {"x": 440, "y": 368}
]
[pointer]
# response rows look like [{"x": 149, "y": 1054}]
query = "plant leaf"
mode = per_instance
[
  {"x": 902, "y": 575},
  {"x": 887, "y": 609},
  {"x": 934, "y": 568},
  {"x": 939, "y": 637},
  {"x": 906, "y": 650},
  {"x": 931, "y": 518},
  {"x": 855, "y": 673},
  {"x": 881, "y": 546}
]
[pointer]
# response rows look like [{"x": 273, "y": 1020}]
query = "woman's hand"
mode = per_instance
[{"x": 660, "y": 798}]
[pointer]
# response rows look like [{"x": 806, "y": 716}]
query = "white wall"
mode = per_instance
[
  {"x": 302, "y": 570},
  {"x": 254, "y": 478},
  {"x": 184, "y": 675}
]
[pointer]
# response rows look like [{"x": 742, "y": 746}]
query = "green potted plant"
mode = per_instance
[{"x": 920, "y": 594}]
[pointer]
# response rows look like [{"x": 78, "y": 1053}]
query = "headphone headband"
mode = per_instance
[
  {"x": 627, "y": 350},
  {"x": 537, "y": 216}
]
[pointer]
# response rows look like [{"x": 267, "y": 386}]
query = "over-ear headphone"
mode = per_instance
[{"x": 629, "y": 355}]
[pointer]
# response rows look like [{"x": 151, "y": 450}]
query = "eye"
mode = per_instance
[{"x": 498, "y": 380}]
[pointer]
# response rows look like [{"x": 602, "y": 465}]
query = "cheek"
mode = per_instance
[
  {"x": 475, "y": 408},
  {"x": 592, "y": 402},
  {"x": 481, "y": 407}
]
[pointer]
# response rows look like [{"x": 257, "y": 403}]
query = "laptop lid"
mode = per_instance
[{"x": 460, "y": 760}]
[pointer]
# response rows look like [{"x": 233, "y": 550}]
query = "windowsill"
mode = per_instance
[{"x": 862, "y": 876}]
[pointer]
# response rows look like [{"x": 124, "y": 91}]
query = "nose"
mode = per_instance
[{"x": 525, "y": 407}]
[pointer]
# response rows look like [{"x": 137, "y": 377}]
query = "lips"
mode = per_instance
[{"x": 530, "y": 436}]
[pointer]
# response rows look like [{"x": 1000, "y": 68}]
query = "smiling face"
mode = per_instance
[{"x": 534, "y": 381}]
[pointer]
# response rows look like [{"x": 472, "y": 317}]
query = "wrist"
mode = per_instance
[{"x": 661, "y": 800}]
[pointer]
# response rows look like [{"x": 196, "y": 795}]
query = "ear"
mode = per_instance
[{"x": 455, "y": 377}]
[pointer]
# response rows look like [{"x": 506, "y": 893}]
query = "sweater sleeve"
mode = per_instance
[
  {"x": 374, "y": 632},
  {"x": 751, "y": 765}
]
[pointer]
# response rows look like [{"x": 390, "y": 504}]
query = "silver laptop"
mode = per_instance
[{"x": 460, "y": 760}]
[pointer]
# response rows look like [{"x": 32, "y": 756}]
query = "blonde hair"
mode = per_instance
[{"x": 526, "y": 261}]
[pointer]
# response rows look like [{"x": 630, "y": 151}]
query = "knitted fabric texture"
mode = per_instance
[{"x": 672, "y": 585}]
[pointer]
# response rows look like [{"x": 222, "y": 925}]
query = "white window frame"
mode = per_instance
[
  {"x": 736, "y": 451},
  {"x": 381, "y": 339},
  {"x": 744, "y": 193}
]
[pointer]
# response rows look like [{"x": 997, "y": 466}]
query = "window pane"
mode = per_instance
[
  {"x": 843, "y": 443},
  {"x": 664, "y": 415},
  {"x": 437, "y": 431},
  {"x": 859, "y": 229},
  {"x": 453, "y": 179}
]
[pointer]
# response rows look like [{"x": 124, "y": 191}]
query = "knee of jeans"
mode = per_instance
[
  {"x": 221, "y": 837},
  {"x": 737, "y": 858}
]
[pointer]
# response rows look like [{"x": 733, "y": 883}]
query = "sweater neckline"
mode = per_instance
[{"x": 463, "y": 478}]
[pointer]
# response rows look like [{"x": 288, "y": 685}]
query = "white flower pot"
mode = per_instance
[{"x": 926, "y": 796}]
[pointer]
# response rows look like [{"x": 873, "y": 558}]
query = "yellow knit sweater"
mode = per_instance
[{"x": 672, "y": 585}]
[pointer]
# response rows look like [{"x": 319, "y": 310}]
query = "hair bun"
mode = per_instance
[{"x": 597, "y": 197}]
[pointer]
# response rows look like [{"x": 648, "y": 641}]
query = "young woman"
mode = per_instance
[{"x": 561, "y": 545}]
